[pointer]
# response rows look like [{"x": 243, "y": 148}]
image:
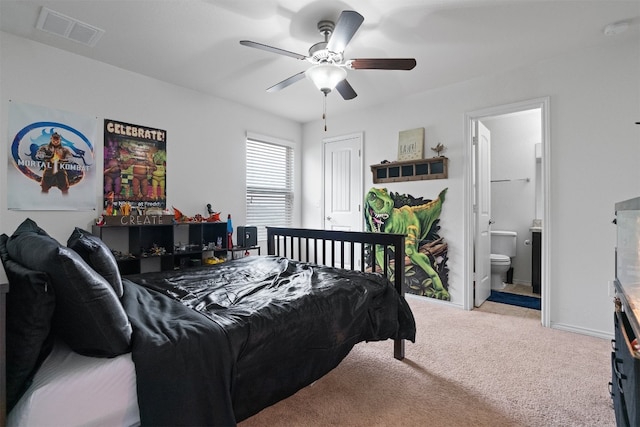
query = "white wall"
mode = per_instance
[
  {"x": 595, "y": 149},
  {"x": 205, "y": 135}
]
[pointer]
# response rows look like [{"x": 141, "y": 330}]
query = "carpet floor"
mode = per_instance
[{"x": 467, "y": 368}]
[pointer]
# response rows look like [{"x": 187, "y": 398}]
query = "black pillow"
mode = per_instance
[
  {"x": 88, "y": 314},
  {"x": 98, "y": 255},
  {"x": 4, "y": 255},
  {"x": 30, "y": 306},
  {"x": 29, "y": 226}
]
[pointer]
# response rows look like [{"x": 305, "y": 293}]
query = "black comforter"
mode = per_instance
[{"x": 235, "y": 338}]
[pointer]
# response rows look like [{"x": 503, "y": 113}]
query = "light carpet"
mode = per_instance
[{"x": 467, "y": 368}]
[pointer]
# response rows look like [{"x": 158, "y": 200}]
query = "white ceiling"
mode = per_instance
[{"x": 194, "y": 43}]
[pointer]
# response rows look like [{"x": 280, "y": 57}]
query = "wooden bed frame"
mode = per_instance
[
  {"x": 342, "y": 249},
  {"x": 351, "y": 250}
]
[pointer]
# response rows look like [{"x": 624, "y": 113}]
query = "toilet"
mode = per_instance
[{"x": 503, "y": 249}]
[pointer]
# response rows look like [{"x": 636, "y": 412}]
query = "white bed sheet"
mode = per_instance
[{"x": 74, "y": 390}]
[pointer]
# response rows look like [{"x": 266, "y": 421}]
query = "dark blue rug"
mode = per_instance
[{"x": 514, "y": 299}]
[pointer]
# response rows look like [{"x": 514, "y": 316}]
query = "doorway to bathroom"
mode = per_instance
[{"x": 508, "y": 182}]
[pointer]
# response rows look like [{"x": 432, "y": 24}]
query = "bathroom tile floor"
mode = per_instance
[{"x": 520, "y": 289}]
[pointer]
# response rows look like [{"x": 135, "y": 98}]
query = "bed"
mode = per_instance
[{"x": 228, "y": 340}]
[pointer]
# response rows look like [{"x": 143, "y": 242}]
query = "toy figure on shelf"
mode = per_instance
[
  {"x": 438, "y": 149},
  {"x": 213, "y": 216},
  {"x": 125, "y": 208},
  {"x": 109, "y": 209},
  {"x": 179, "y": 216},
  {"x": 229, "y": 232}
]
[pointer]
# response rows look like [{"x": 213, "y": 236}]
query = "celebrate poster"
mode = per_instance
[
  {"x": 135, "y": 169},
  {"x": 51, "y": 159}
]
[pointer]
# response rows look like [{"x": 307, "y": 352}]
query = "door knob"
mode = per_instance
[
  {"x": 491, "y": 222},
  {"x": 328, "y": 218}
]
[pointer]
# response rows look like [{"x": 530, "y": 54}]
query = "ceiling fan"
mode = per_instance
[{"x": 329, "y": 70}]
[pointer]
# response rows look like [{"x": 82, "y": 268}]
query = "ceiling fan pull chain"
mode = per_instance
[{"x": 324, "y": 111}]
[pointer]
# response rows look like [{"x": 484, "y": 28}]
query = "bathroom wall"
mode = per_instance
[{"x": 513, "y": 181}]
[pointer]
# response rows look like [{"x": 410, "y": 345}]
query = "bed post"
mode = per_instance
[
  {"x": 4, "y": 288},
  {"x": 398, "y": 344}
]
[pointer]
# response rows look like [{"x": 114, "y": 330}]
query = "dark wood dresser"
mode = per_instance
[{"x": 625, "y": 356}]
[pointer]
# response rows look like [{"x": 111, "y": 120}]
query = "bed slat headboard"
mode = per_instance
[{"x": 338, "y": 248}]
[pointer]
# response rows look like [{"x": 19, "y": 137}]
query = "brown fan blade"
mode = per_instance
[
  {"x": 345, "y": 90},
  {"x": 382, "y": 64},
  {"x": 347, "y": 25},
  {"x": 271, "y": 49},
  {"x": 287, "y": 82}
]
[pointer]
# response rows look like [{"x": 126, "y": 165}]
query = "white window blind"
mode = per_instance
[{"x": 269, "y": 184}]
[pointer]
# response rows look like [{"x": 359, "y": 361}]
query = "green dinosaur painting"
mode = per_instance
[{"x": 426, "y": 253}]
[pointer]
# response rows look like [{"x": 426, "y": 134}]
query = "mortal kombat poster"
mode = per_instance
[
  {"x": 51, "y": 159},
  {"x": 135, "y": 169}
]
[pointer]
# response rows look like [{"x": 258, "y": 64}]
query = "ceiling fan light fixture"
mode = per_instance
[{"x": 326, "y": 76}]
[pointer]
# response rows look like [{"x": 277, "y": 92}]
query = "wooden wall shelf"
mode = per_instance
[{"x": 411, "y": 170}]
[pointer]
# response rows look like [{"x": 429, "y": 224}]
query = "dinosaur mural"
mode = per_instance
[{"x": 426, "y": 272}]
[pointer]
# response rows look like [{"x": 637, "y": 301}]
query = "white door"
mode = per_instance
[
  {"x": 482, "y": 151},
  {"x": 343, "y": 189},
  {"x": 343, "y": 183}
]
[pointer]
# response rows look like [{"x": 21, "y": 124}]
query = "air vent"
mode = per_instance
[{"x": 69, "y": 28}]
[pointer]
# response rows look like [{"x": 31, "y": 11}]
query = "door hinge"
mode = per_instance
[{"x": 475, "y": 140}]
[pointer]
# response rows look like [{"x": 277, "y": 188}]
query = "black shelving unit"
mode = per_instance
[{"x": 144, "y": 248}]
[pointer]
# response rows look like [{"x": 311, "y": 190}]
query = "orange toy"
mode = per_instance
[{"x": 179, "y": 216}]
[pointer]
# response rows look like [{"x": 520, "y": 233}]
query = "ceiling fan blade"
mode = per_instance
[
  {"x": 345, "y": 90},
  {"x": 271, "y": 49},
  {"x": 347, "y": 25},
  {"x": 382, "y": 64},
  {"x": 287, "y": 82}
]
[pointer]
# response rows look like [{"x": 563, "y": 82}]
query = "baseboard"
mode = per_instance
[
  {"x": 432, "y": 300},
  {"x": 583, "y": 331}
]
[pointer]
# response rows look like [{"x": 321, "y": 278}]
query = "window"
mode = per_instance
[{"x": 269, "y": 183}]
